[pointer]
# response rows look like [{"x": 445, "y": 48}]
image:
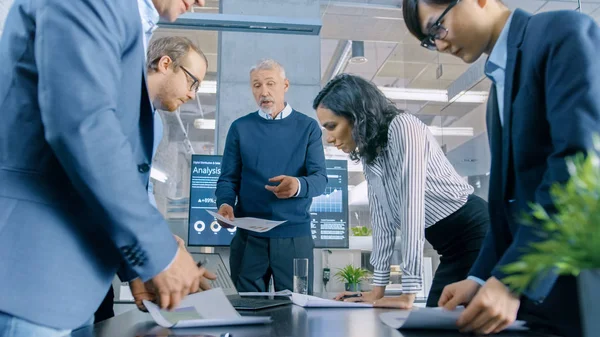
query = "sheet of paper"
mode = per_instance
[
  {"x": 308, "y": 301},
  {"x": 277, "y": 293},
  {"x": 207, "y": 308},
  {"x": 251, "y": 224},
  {"x": 125, "y": 292},
  {"x": 430, "y": 318}
]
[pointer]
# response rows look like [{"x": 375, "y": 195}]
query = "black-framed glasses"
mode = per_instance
[
  {"x": 437, "y": 31},
  {"x": 195, "y": 82}
]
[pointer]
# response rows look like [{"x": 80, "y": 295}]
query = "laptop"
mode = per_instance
[{"x": 214, "y": 263}]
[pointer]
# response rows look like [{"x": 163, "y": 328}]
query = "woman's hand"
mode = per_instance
[{"x": 404, "y": 301}]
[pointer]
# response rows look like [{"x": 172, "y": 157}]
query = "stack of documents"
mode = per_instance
[
  {"x": 251, "y": 224},
  {"x": 430, "y": 318},
  {"x": 308, "y": 301},
  {"x": 207, "y": 308}
]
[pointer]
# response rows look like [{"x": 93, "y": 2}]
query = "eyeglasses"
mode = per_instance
[
  {"x": 437, "y": 31},
  {"x": 195, "y": 82}
]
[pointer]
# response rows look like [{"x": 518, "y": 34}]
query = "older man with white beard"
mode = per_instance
[{"x": 273, "y": 165}]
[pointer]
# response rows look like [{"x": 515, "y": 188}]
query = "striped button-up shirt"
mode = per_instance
[{"x": 411, "y": 186}]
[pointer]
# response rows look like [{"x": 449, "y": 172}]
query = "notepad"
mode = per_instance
[
  {"x": 204, "y": 309},
  {"x": 308, "y": 301}
]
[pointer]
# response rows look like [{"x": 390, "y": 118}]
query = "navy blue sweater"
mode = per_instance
[{"x": 258, "y": 149}]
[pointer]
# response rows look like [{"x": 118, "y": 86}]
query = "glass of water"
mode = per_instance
[{"x": 301, "y": 276}]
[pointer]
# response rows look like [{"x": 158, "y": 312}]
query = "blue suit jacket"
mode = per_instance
[
  {"x": 75, "y": 150},
  {"x": 551, "y": 110}
]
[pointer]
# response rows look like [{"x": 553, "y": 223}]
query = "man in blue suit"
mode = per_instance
[
  {"x": 75, "y": 148},
  {"x": 544, "y": 106}
]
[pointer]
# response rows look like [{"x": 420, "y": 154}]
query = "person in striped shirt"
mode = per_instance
[{"x": 412, "y": 188}]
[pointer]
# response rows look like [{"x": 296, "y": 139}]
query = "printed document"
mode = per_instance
[
  {"x": 430, "y": 318},
  {"x": 251, "y": 224},
  {"x": 308, "y": 301},
  {"x": 203, "y": 309}
]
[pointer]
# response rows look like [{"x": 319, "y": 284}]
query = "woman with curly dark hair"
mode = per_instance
[{"x": 412, "y": 187}]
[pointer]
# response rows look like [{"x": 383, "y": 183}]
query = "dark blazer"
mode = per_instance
[
  {"x": 551, "y": 111},
  {"x": 75, "y": 152}
]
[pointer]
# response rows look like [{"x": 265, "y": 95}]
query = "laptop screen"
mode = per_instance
[{"x": 214, "y": 263}]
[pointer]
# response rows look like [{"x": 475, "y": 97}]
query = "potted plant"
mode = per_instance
[
  {"x": 571, "y": 244},
  {"x": 351, "y": 277},
  {"x": 361, "y": 231}
]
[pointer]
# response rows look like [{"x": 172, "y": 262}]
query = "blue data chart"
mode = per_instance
[
  {"x": 329, "y": 211},
  {"x": 203, "y": 229},
  {"x": 330, "y": 201}
]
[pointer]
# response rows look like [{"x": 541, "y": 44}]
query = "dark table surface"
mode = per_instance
[{"x": 288, "y": 320}]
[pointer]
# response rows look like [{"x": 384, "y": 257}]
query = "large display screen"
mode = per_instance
[
  {"x": 203, "y": 229},
  {"x": 329, "y": 212}
]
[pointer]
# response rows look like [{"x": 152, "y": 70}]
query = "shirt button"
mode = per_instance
[{"x": 143, "y": 168}]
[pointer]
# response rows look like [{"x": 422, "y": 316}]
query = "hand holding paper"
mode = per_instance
[
  {"x": 209, "y": 308},
  {"x": 430, "y": 318},
  {"x": 227, "y": 212},
  {"x": 251, "y": 224}
]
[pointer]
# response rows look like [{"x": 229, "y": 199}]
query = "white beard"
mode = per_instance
[{"x": 266, "y": 111}]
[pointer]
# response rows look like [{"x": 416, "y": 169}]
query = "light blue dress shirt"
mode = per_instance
[
  {"x": 150, "y": 17},
  {"x": 495, "y": 70},
  {"x": 495, "y": 67}
]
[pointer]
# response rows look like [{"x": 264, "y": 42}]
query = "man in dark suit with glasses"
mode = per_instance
[{"x": 544, "y": 106}]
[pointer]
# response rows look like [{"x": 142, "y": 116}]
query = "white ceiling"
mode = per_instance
[{"x": 395, "y": 59}]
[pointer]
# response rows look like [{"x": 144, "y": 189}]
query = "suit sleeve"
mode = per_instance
[
  {"x": 78, "y": 49},
  {"x": 573, "y": 112},
  {"x": 314, "y": 183}
]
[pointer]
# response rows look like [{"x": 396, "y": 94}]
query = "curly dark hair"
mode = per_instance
[{"x": 365, "y": 107}]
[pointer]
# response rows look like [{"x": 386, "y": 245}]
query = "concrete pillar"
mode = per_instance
[{"x": 238, "y": 52}]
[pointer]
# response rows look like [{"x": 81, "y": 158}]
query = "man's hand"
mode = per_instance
[
  {"x": 404, "y": 301},
  {"x": 226, "y": 211},
  {"x": 287, "y": 188},
  {"x": 458, "y": 293},
  {"x": 140, "y": 293},
  {"x": 180, "y": 241},
  {"x": 145, "y": 291},
  {"x": 492, "y": 309},
  {"x": 181, "y": 278},
  {"x": 205, "y": 275}
]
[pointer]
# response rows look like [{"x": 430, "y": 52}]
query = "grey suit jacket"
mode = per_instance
[{"x": 75, "y": 153}]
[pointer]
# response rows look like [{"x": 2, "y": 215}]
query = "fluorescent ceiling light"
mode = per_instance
[
  {"x": 245, "y": 23},
  {"x": 470, "y": 97},
  {"x": 432, "y": 95},
  {"x": 207, "y": 87},
  {"x": 415, "y": 94},
  {"x": 408, "y": 94},
  {"x": 334, "y": 153},
  {"x": 205, "y": 124},
  {"x": 158, "y": 175}
]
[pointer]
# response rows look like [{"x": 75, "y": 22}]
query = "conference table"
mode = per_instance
[{"x": 288, "y": 320}]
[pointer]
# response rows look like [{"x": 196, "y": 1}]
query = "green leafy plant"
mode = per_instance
[
  {"x": 351, "y": 275},
  {"x": 571, "y": 235},
  {"x": 361, "y": 231}
]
